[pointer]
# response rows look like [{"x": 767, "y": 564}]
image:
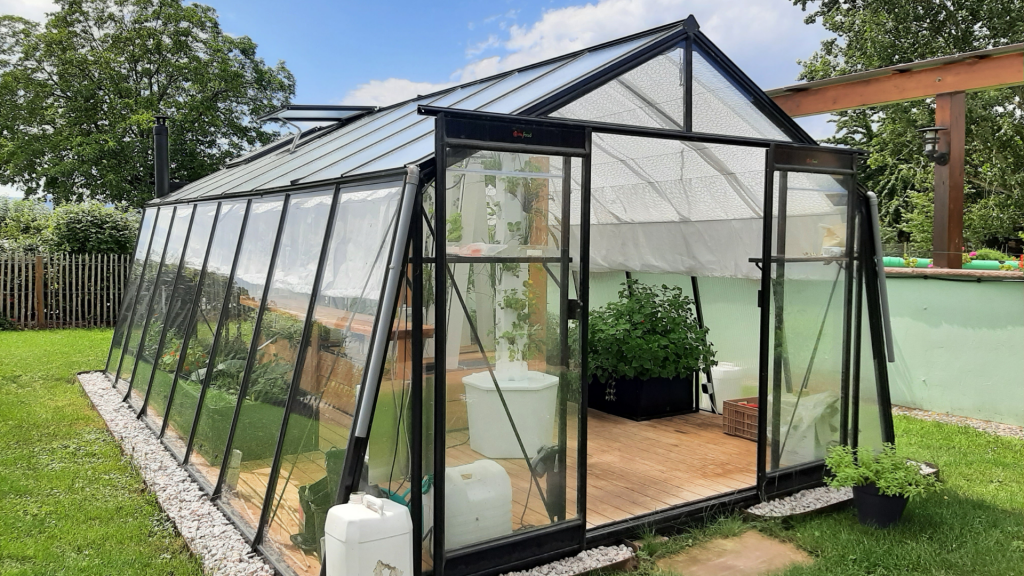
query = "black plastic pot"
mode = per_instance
[
  {"x": 645, "y": 399},
  {"x": 877, "y": 510}
]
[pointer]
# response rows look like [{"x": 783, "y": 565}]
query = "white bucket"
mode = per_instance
[
  {"x": 532, "y": 404},
  {"x": 728, "y": 383}
]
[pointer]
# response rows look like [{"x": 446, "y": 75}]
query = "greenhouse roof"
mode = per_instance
[{"x": 363, "y": 141}]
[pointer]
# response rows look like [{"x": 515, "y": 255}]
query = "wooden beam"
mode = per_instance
[
  {"x": 964, "y": 76},
  {"x": 948, "y": 222}
]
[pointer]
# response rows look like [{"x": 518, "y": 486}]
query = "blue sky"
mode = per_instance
[{"x": 382, "y": 51}]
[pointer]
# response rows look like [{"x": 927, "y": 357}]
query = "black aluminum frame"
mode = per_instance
[
  {"x": 149, "y": 307},
  {"x": 566, "y": 536},
  {"x": 135, "y": 249},
  {"x": 163, "y": 329},
  {"x": 135, "y": 302}
]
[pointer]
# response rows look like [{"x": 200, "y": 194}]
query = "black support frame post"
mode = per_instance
[
  {"x": 764, "y": 294},
  {"x": 163, "y": 329},
  {"x": 297, "y": 370},
  {"x": 688, "y": 88},
  {"x": 584, "y": 324},
  {"x": 149, "y": 306},
  {"x": 190, "y": 324},
  {"x": 135, "y": 301},
  {"x": 416, "y": 384},
  {"x": 250, "y": 359},
  {"x": 781, "y": 353},
  {"x": 225, "y": 304},
  {"x": 440, "y": 337},
  {"x": 878, "y": 350},
  {"x": 557, "y": 482},
  {"x": 853, "y": 437},
  {"x": 852, "y": 201}
]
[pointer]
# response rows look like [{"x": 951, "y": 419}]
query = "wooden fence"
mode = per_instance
[{"x": 62, "y": 290}]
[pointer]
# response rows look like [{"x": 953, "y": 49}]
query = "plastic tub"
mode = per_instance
[{"x": 532, "y": 404}]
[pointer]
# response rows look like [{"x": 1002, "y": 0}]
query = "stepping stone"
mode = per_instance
[{"x": 751, "y": 554}]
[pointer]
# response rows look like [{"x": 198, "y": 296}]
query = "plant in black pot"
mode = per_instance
[
  {"x": 882, "y": 483},
  {"x": 645, "y": 350}
]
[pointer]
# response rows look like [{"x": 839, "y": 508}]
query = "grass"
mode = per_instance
[
  {"x": 71, "y": 502},
  {"x": 973, "y": 526}
]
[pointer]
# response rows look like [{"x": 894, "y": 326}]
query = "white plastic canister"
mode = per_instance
[
  {"x": 531, "y": 402},
  {"x": 368, "y": 536},
  {"x": 478, "y": 503}
]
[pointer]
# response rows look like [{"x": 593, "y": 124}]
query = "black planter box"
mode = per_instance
[
  {"x": 876, "y": 509},
  {"x": 645, "y": 399}
]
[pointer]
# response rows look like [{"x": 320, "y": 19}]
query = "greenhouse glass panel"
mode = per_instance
[
  {"x": 652, "y": 95},
  {"x": 864, "y": 414},
  {"x": 196, "y": 349},
  {"x": 175, "y": 323},
  {"x": 159, "y": 301},
  {"x": 346, "y": 309},
  {"x": 131, "y": 287},
  {"x": 721, "y": 107},
  {"x": 807, "y": 291},
  {"x": 512, "y": 399},
  {"x": 147, "y": 286},
  {"x": 230, "y": 348},
  {"x": 277, "y": 342}
]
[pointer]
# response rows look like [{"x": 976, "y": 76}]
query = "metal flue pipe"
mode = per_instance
[{"x": 161, "y": 162}]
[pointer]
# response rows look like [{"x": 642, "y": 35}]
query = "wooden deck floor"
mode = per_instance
[{"x": 634, "y": 467}]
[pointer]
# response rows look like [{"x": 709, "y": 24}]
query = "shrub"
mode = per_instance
[
  {"x": 893, "y": 474},
  {"x": 92, "y": 228},
  {"x": 989, "y": 254},
  {"x": 23, "y": 225},
  {"x": 6, "y": 324},
  {"x": 649, "y": 332}
]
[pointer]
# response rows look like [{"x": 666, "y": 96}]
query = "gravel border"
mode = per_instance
[
  {"x": 997, "y": 428},
  {"x": 802, "y": 502},
  {"x": 206, "y": 531},
  {"x": 582, "y": 563}
]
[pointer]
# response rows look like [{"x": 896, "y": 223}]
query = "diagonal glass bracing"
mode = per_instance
[
  {"x": 130, "y": 289},
  {"x": 176, "y": 318},
  {"x": 195, "y": 352},
  {"x": 159, "y": 301},
  {"x": 147, "y": 286},
  {"x": 229, "y": 350}
]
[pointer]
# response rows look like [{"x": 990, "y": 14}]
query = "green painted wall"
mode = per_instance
[{"x": 959, "y": 345}]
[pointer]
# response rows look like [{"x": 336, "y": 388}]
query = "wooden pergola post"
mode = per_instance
[{"x": 948, "y": 221}]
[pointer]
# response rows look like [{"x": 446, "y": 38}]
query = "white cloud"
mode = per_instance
[
  {"x": 764, "y": 37},
  {"x": 31, "y": 9},
  {"x": 10, "y": 192},
  {"x": 384, "y": 92}
]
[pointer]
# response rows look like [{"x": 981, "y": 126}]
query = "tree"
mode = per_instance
[
  {"x": 877, "y": 33},
  {"x": 78, "y": 228},
  {"x": 80, "y": 93}
]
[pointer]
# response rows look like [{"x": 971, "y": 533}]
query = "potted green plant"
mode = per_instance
[
  {"x": 882, "y": 483},
  {"x": 645, "y": 350}
]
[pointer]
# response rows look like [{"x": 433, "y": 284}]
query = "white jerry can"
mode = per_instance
[
  {"x": 478, "y": 503},
  {"x": 368, "y": 537}
]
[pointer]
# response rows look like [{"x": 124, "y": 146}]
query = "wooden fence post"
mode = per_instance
[{"x": 40, "y": 308}]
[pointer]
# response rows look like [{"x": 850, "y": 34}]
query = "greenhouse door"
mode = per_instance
[
  {"x": 510, "y": 207},
  {"x": 805, "y": 299}
]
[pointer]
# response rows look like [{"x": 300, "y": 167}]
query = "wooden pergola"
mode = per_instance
[{"x": 947, "y": 79}]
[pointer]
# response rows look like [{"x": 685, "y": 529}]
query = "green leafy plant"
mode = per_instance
[
  {"x": 893, "y": 474},
  {"x": 455, "y": 227},
  {"x": 521, "y": 337},
  {"x": 649, "y": 332},
  {"x": 989, "y": 254},
  {"x": 6, "y": 324}
]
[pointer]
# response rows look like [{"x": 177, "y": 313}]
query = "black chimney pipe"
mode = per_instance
[{"x": 161, "y": 163}]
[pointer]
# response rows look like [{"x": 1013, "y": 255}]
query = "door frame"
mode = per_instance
[
  {"x": 521, "y": 135},
  {"x": 785, "y": 159}
]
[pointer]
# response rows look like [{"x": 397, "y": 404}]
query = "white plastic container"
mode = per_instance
[
  {"x": 478, "y": 503},
  {"x": 531, "y": 402},
  {"x": 728, "y": 383},
  {"x": 366, "y": 534}
]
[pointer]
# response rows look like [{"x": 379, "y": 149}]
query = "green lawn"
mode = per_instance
[
  {"x": 70, "y": 502},
  {"x": 973, "y": 526}
]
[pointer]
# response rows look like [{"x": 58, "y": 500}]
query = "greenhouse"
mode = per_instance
[{"x": 401, "y": 301}]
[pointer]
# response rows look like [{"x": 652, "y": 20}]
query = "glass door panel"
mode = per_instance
[
  {"x": 808, "y": 298},
  {"x": 512, "y": 387}
]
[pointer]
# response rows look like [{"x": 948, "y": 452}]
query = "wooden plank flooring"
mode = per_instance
[{"x": 633, "y": 468}]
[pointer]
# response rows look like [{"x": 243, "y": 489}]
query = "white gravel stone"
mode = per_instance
[
  {"x": 583, "y": 562},
  {"x": 803, "y": 501},
  {"x": 207, "y": 532},
  {"x": 997, "y": 428}
]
